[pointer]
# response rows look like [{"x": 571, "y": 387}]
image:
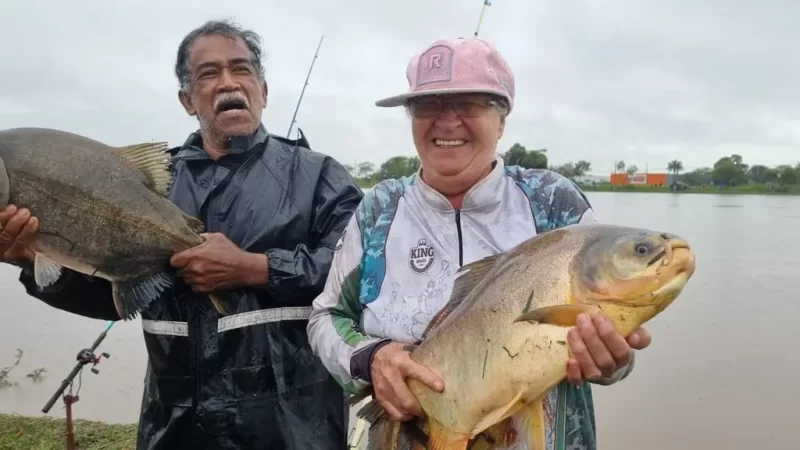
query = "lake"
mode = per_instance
[{"x": 714, "y": 376}]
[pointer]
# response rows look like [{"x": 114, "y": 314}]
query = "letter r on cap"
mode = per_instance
[{"x": 435, "y": 61}]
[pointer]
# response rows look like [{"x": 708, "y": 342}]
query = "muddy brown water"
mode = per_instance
[{"x": 720, "y": 373}]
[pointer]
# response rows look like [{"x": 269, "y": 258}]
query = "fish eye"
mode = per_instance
[{"x": 642, "y": 249}]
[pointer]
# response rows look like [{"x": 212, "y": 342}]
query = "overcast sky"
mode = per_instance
[{"x": 639, "y": 80}]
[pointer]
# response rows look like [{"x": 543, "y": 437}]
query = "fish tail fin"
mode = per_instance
[
  {"x": 131, "y": 297},
  {"x": 533, "y": 422},
  {"x": 220, "y": 299},
  {"x": 441, "y": 438}
]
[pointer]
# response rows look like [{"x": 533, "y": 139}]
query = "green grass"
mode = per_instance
[{"x": 44, "y": 433}]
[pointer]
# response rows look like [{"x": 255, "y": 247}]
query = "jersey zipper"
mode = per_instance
[{"x": 460, "y": 241}]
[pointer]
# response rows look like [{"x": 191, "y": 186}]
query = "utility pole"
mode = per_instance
[
  {"x": 480, "y": 18},
  {"x": 297, "y": 108}
]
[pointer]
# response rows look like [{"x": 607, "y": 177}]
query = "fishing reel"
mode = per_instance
[{"x": 86, "y": 356}]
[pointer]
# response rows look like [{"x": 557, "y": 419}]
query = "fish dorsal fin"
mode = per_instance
[
  {"x": 466, "y": 279},
  {"x": 152, "y": 160}
]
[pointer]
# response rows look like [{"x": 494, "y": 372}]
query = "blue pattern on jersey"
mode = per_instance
[
  {"x": 556, "y": 201},
  {"x": 374, "y": 216}
]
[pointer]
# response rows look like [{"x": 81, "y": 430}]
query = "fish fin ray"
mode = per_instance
[
  {"x": 358, "y": 397},
  {"x": 219, "y": 300},
  {"x": 372, "y": 412},
  {"x": 561, "y": 315},
  {"x": 499, "y": 414},
  {"x": 440, "y": 438},
  {"x": 194, "y": 223},
  {"x": 153, "y": 161},
  {"x": 533, "y": 422},
  {"x": 467, "y": 277},
  {"x": 45, "y": 270},
  {"x": 132, "y": 297}
]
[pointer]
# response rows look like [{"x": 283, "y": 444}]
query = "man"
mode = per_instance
[{"x": 273, "y": 212}]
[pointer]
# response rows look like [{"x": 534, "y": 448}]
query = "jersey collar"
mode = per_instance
[{"x": 484, "y": 194}]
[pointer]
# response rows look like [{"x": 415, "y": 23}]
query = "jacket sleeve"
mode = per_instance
[
  {"x": 334, "y": 326},
  {"x": 74, "y": 292},
  {"x": 301, "y": 272},
  {"x": 571, "y": 198}
]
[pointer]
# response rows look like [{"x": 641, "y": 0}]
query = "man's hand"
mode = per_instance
[
  {"x": 218, "y": 264},
  {"x": 391, "y": 366},
  {"x": 17, "y": 230},
  {"x": 598, "y": 350}
]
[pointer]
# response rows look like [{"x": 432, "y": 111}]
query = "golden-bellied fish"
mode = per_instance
[
  {"x": 500, "y": 343},
  {"x": 102, "y": 211}
]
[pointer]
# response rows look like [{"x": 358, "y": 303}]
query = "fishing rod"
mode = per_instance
[
  {"x": 308, "y": 75},
  {"x": 480, "y": 18},
  {"x": 85, "y": 356}
]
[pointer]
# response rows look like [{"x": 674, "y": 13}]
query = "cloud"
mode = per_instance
[{"x": 645, "y": 82}]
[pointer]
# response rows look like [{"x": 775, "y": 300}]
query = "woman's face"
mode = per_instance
[{"x": 456, "y": 137}]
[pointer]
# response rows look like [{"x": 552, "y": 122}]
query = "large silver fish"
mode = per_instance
[
  {"x": 500, "y": 344},
  {"x": 102, "y": 211}
]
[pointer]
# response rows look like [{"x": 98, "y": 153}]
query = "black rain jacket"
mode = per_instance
[{"x": 249, "y": 380}]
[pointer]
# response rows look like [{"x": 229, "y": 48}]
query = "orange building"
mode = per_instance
[{"x": 650, "y": 179}]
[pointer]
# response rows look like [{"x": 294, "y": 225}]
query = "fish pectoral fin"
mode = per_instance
[
  {"x": 132, "y": 297},
  {"x": 440, "y": 438},
  {"x": 498, "y": 415},
  {"x": 45, "y": 271},
  {"x": 152, "y": 161},
  {"x": 533, "y": 422},
  {"x": 562, "y": 315}
]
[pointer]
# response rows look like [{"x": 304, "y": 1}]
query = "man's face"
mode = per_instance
[{"x": 226, "y": 93}]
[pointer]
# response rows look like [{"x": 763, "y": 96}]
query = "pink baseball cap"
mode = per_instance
[{"x": 450, "y": 66}]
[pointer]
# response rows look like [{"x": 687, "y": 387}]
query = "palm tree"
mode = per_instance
[{"x": 675, "y": 167}]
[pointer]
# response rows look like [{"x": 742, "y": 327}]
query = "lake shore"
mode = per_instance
[
  {"x": 19, "y": 432},
  {"x": 748, "y": 189}
]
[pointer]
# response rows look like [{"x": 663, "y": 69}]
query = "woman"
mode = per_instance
[{"x": 394, "y": 266}]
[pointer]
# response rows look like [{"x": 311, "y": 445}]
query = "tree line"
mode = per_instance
[
  {"x": 728, "y": 171},
  {"x": 368, "y": 174}
]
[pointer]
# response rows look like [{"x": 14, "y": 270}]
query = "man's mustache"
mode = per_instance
[{"x": 230, "y": 100}]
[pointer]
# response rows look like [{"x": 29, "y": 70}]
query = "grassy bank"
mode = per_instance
[{"x": 44, "y": 433}]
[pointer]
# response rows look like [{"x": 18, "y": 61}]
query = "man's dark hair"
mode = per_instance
[{"x": 216, "y": 27}]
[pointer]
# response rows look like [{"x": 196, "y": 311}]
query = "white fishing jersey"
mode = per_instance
[{"x": 395, "y": 264}]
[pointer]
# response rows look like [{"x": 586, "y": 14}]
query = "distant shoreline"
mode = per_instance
[{"x": 748, "y": 189}]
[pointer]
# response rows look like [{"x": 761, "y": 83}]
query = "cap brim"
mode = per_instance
[{"x": 400, "y": 100}]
